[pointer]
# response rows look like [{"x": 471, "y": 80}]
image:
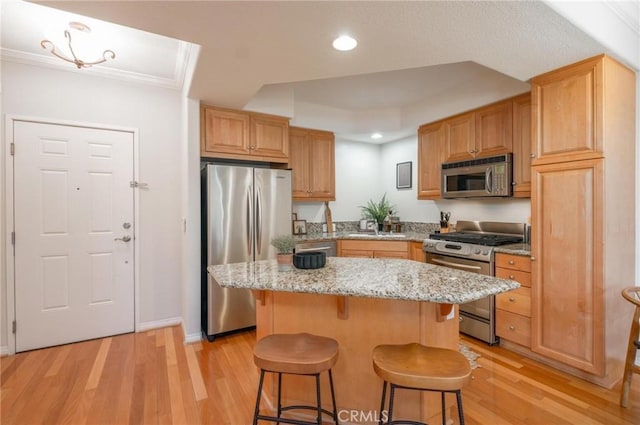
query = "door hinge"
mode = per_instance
[
  {"x": 13, "y": 327},
  {"x": 13, "y": 238},
  {"x": 135, "y": 184},
  {"x": 12, "y": 148}
]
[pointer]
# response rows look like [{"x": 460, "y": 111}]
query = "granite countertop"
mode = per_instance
[
  {"x": 523, "y": 249},
  {"x": 366, "y": 277},
  {"x": 318, "y": 237}
]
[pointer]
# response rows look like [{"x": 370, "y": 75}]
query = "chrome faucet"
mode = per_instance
[{"x": 372, "y": 225}]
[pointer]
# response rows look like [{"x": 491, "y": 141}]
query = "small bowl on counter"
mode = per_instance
[{"x": 309, "y": 260}]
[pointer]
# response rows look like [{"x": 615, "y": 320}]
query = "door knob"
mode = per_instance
[{"x": 125, "y": 238}]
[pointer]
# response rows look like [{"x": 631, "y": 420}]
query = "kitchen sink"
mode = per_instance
[{"x": 374, "y": 236}]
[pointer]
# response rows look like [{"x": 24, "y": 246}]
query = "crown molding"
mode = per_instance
[{"x": 175, "y": 83}]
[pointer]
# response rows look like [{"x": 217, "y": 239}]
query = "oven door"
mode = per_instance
[
  {"x": 477, "y": 317},
  {"x": 473, "y": 266}
]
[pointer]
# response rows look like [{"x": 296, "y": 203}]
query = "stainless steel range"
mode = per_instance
[{"x": 471, "y": 248}]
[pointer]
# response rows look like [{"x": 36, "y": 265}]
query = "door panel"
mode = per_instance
[
  {"x": 74, "y": 280},
  {"x": 273, "y": 209}
]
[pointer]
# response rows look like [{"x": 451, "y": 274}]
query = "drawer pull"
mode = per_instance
[
  {"x": 512, "y": 328},
  {"x": 512, "y": 300},
  {"x": 512, "y": 262},
  {"x": 512, "y": 277}
]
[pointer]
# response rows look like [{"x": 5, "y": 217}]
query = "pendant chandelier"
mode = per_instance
[{"x": 79, "y": 63}]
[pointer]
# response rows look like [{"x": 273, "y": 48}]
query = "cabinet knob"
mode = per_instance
[
  {"x": 533, "y": 258},
  {"x": 511, "y": 262},
  {"x": 512, "y": 300},
  {"x": 512, "y": 328},
  {"x": 512, "y": 277},
  {"x": 532, "y": 155}
]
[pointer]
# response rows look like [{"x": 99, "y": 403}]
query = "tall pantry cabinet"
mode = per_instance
[{"x": 583, "y": 215}]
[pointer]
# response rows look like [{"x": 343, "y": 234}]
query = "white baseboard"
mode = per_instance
[
  {"x": 155, "y": 324},
  {"x": 4, "y": 350},
  {"x": 191, "y": 338}
]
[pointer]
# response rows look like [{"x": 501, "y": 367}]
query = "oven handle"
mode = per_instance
[{"x": 462, "y": 266}]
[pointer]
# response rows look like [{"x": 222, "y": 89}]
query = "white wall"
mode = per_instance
[
  {"x": 365, "y": 171},
  {"x": 156, "y": 113}
]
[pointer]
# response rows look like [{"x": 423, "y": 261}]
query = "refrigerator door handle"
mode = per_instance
[
  {"x": 258, "y": 220},
  {"x": 249, "y": 225}
]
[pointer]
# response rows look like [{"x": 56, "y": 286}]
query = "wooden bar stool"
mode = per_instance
[
  {"x": 631, "y": 294},
  {"x": 416, "y": 367},
  {"x": 297, "y": 354}
]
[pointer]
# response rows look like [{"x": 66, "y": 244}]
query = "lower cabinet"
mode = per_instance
[
  {"x": 416, "y": 251},
  {"x": 373, "y": 249},
  {"x": 513, "y": 308}
]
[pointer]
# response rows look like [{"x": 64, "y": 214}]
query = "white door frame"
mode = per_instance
[{"x": 9, "y": 207}]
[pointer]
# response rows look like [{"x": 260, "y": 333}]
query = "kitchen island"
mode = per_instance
[{"x": 361, "y": 302}]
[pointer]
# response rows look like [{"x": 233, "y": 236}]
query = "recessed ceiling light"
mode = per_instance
[
  {"x": 344, "y": 43},
  {"x": 376, "y": 136}
]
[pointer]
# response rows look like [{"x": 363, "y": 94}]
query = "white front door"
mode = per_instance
[{"x": 73, "y": 222}]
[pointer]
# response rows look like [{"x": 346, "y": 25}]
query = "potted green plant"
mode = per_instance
[
  {"x": 284, "y": 245},
  {"x": 377, "y": 210}
]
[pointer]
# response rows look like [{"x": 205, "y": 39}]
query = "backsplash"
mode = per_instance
[{"x": 353, "y": 226}]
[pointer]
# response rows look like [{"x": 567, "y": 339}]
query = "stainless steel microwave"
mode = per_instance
[{"x": 476, "y": 178}]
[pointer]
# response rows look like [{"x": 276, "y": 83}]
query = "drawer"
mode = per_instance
[
  {"x": 516, "y": 301},
  {"x": 523, "y": 278},
  {"x": 516, "y": 262},
  {"x": 513, "y": 327}
]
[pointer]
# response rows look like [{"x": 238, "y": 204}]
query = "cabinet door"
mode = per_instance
[
  {"x": 299, "y": 163},
  {"x": 494, "y": 125},
  {"x": 270, "y": 137},
  {"x": 567, "y": 118},
  {"x": 416, "y": 252},
  {"x": 225, "y": 132},
  {"x": 432, "y": 152},
  {"x": 567, "y": 274},
  {"x": 460, "y": 137},
  {"x": 322, "y": 166},
  {"x": 522, "y": 146}
]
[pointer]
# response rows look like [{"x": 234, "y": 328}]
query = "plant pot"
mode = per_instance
[
  {"x": 285, "y": 262},
  {"x": 380, "y": 227}
]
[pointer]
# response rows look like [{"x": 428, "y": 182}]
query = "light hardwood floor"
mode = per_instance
[{"x": 153, "y": 378}]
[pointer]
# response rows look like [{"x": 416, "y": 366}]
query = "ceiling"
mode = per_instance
[{"x": 416, "y": 61}]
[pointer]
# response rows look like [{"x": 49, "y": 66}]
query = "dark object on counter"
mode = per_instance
[{"x": 309, "y": 260}]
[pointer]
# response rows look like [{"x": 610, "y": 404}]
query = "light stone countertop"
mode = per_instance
[
  {"x": 317, "y": 237},
  {"x": 521, "y": 249},
  {"x": 366, "y": 277}
]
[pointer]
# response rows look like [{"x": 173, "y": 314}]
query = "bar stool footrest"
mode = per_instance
[{"x": 295, "y": 421}]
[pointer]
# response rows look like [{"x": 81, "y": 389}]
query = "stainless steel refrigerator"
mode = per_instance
[{"x": 244, "y": 208}]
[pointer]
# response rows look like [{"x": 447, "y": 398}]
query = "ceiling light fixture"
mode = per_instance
[
  {"x": 79, "y": 63},
  {"x": 344, "y": 43},
  {"x": 376, "y": 136}
]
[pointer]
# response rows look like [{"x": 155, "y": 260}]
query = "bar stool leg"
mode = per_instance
[
  {"x": 391, "y": 397},
  {"x": 333, "y": 398},
  {"x": 460, "y": 413},
  {"x": 444, "y": 415},
  {"x": 279, "y": 396},
  {"x": 256, "y": 412},
  {"x": 384, "y": 394},
  {"x": 317, "y": 375}
]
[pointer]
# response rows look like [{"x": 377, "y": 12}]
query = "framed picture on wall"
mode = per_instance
[
  {"x": 403, "y": 175},
  {"x": 299, "y": 227}
]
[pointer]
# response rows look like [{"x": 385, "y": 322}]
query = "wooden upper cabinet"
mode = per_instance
[
  {"x": 522, "y": 146},
  {"x": 494, "y": 126},
  {"x": 232, "y": 134},
  {"x": 567, "y": 123},
  {"x": 312, "y": 159},
  {"x": 483, "y": 132},
  {"x": 270, "y": 137},
  {"x": 432, "y": 152},
  {"x": 225, "y": 132},
  {"x": 460, "y": 137}
]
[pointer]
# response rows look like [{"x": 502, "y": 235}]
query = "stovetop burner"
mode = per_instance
[{"x": 486, "y": 239}]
